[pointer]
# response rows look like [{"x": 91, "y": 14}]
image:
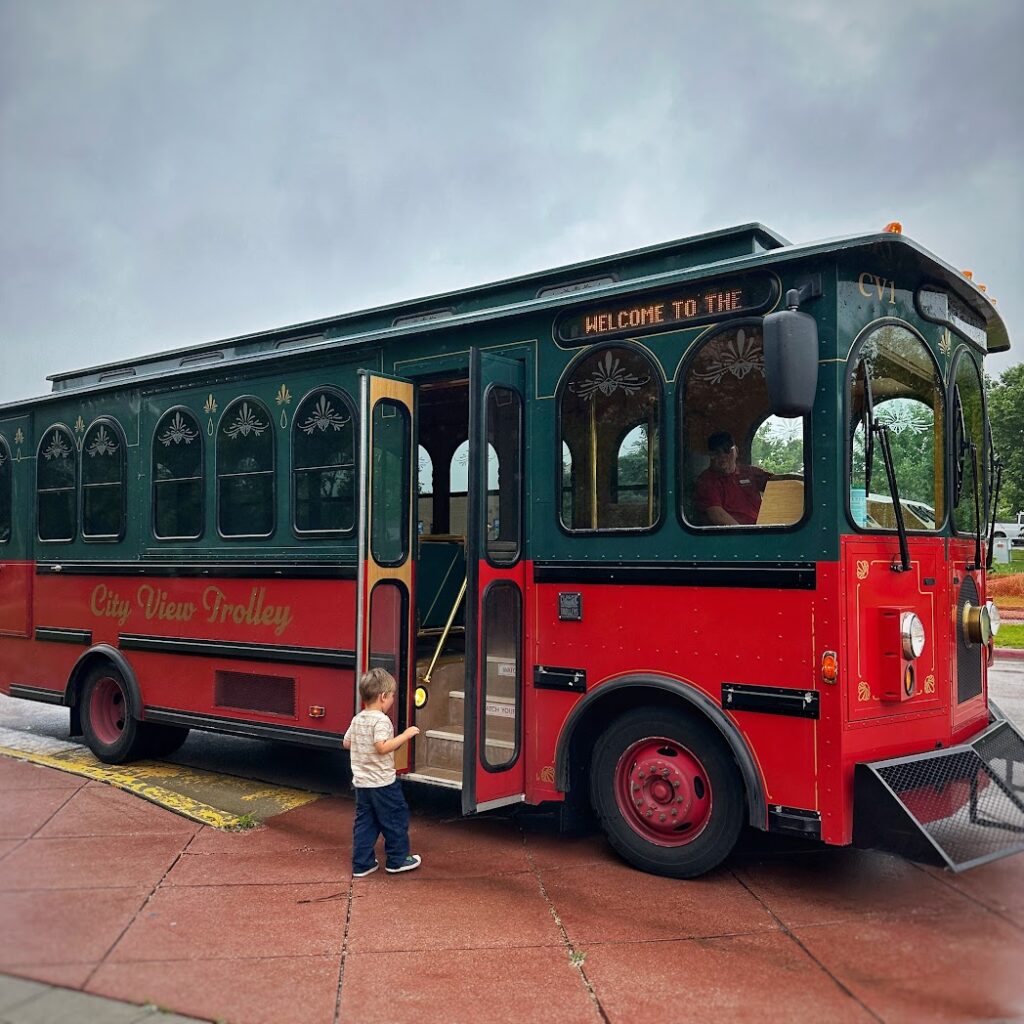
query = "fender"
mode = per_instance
[
  {"x": 106, "y": 653},
  {"x": 696, "y": 699}
]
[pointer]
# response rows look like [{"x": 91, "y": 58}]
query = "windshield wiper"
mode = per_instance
[
  {"x": 901, "y": 528},
  {"x": 869, "y": 426},
  {"x": 998, "y": 464}
]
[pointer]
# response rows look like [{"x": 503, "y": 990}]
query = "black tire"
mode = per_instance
[
  {"x": 162, "y": 740},
  {"x": 113, "y": 734},
  {"x": 653, "y": 763}
]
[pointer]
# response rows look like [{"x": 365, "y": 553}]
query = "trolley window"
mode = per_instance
[
  {"x": 323, "y": 463},
  {"x": 6, "y": 491},
  {"x": 56, "y": 485},
  {"x": 178, "y": 476},
  {"x": 609, "y": 416},
  {"x": 103, "y": 481},
  {"x": 245, "y": 470}
]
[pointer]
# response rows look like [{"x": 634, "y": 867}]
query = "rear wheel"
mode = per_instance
[
  {"x": 667, "y": 791},
  {"x": 111, "y": 732}
]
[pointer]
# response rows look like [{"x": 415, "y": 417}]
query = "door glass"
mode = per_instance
[
  {"x": 389, "y": 527},
  {"x": 387, "y": 636},
  {"x": 504, "y": 424},
  {"x": 502, "y": 622}
]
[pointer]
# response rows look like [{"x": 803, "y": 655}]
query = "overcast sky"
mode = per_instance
[{"x": 175, "y": 171}]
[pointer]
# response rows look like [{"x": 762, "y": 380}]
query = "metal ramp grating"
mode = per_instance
[{"x": 959, "y": 807}]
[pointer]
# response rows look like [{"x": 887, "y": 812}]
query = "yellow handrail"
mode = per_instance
[{"x": 447, "y": 630}]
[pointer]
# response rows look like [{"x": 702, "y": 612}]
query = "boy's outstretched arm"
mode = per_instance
[{"x": 386, "y": 746}]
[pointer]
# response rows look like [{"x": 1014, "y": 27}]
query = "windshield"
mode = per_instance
[
  {"x": 967, "y": 457},
  {"x": 895, "y": 383}
]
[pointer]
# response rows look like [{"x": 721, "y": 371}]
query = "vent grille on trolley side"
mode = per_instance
[
  {"x": 968, "y": 655},
  {"x": 247, "y": 691},
  {"x": 958, "y": 807}
]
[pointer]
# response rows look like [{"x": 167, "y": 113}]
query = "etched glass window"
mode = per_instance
[
  {"x": 6, "y": 491},
  {"x": 103, "y": 481},
  {"x": 56, "y": 485},
  {"x": 178, "y": 476},
  {"x": 323, "y": 463},
  {"x": 739, "y": 465},
  {"x": 245, "y": 470},
  {"x": 610, "y": 421}
]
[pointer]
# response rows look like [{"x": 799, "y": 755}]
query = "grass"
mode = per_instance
[
  {"x": 1011, "y": 635},
  {"x": 246, "y": 821},
  {"x": 1016, "y": 564}
]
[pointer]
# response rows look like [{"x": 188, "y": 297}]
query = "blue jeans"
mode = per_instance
[{"x": 381, "y": 809}]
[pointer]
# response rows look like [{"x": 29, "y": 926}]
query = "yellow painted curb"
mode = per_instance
[{"x": 137, "y": 778}]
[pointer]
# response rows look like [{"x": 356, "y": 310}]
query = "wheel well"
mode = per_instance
[
  {"x": 98, "y": 656},
  {"x": 589, "y": 720}
]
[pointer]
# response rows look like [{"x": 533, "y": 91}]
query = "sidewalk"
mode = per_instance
[{"x": 106, "y": 894}]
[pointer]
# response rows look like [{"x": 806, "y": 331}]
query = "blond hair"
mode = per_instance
[{"x": 376, "y": 683}]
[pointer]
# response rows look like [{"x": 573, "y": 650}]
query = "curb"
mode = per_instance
[{"x": 1009, "y": 654}]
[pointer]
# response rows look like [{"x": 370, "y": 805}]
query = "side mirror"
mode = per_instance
[{"x": 791, "y": 358}]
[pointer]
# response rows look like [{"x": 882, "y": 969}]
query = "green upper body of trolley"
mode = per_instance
[{"x": 664, "y": 303}]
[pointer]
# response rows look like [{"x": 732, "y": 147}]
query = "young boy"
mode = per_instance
[{"x": 380, "y": 805}]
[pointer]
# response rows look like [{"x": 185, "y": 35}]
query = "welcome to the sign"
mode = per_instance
[{"x": 667, "y": 311}]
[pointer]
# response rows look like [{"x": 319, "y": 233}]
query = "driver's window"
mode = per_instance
[
  {"x": 740, "y": 466},
  {"x": 895, "y": 387}
]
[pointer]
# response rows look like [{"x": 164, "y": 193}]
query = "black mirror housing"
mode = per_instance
[{"x": 791, "y": 359}]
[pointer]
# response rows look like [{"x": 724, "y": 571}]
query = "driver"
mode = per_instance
[{"x": 729, "y": 493}]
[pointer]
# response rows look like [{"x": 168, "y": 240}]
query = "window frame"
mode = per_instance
[
  {"x": 66, "y": 430},
  {"x": 272, "y": 472},
  {"x": 739, "y": 529},
  {"x": 292, "y": 471},
  {"x": 103, "y": 538},
  {"x": 962, "y": 353},
  {"x": 657, "y": 376},
  {"x": 8, "y": 461},
  {"x": 201, "y": 477},
  {"x": 521, "y": 494},
  {"x": 847, "y": 471}
]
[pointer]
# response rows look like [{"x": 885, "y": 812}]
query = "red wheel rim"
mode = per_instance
[
  {"x": 108, "y": 710},
  {"x": 663, "y": 791}
]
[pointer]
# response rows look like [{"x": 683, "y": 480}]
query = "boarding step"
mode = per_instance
[
  {"x": 958, "y": 807},
  {"x": 444, "y": 747},
  {"x": 434, "y": 776}
]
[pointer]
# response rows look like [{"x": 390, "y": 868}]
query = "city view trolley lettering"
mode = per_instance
[{"x": 214, "y": 607}]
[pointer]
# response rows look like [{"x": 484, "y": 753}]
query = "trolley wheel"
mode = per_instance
[
  {"x": 667, "y": 792},
  {"x": 111, "y": 732},
  {"x": 163, "y": 740}
]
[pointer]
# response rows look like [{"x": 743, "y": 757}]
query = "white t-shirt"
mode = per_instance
[{"x": 370, "y": 770}]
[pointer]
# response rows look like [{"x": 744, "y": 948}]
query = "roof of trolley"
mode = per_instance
[{"x": 719, "y": 252}]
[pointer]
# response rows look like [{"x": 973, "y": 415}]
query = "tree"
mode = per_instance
[{"x": 1006, "y": 413}]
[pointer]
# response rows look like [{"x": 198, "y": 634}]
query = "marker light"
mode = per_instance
[
  {"x": 969, "y": 274},
  {"x": 908, "y": 681},
  {"x": 894, "y": 227},
  {"x": 829, "y": 667},
  {"x": 912, "y": 635}
]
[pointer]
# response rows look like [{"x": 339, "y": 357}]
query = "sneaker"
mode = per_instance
[
  {"x": 366, "y": 871},
  {"x": 411, "y": 863}
]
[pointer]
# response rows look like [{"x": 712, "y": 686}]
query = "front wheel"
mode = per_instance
[
  {"x": 110, "y": 730},
  {"x": 667, "y": 791}
]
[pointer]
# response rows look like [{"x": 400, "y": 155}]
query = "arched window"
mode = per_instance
[
  {"x": 895, "y": 384},
  {"x": 245, "y": 470},
  {"x": 103, "y": 481},
  {"x": 178, "y": 476},
  {"x": 609, "y": 413},
  {"x": 56, "y": 485},
  {"x": 969, "y": 456},
  {"x": 6, "y": 491},
  {"x": 424, "y": 492},
  {"x": 460, "y": 485},
  {"x": 323, "y": 463},
  {"x": 739, "y": 464}
]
